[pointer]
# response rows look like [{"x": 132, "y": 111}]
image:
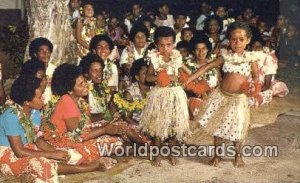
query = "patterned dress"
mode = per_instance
[{"x": 37, "y": 169}]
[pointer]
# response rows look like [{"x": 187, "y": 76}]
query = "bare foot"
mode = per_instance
[
  {"x": 238, "y": 162},
  {"x": 173, "y": 160},
  {"x": 157, "y": 161},
  {"x": 215, "y": 161},
  {"x": 106, "y": 163}
]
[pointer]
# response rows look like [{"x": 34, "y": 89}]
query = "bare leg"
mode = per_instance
[
  {"x": 173, "y": 160},
  {"x": 216, "y": 159},
  {"x": 157, "y": 160},
  {"x": 238, "y": 162}
]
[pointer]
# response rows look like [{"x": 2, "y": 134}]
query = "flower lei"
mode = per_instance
[
  {"x": 236, "y": 59},
  {"x": 164, "y": 69},
  {"x": 108, "y": 70},
  {"x": 126, "y": 106},
  {"x": 130, "y": 51},
  {"x": 102, "y": 96},
  {"x": 159, "y": 64},
  {"x": 75, "y": 134},
  {"x": 24, "y": 121}
]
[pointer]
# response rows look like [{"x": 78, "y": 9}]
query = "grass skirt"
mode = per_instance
[
  {"x": 225, "y": 115},
  {"x": 166, "y": 113}
]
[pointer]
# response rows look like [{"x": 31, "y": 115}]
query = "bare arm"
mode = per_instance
[
  {"x": 205, "y": 68},
  {"x": 254, "y": 68},
  {"x": 72, "y": 123},
  {"x": 186, "y": 69},
  {"x": 19, "y": 150},
  {"x": 267, "y": 85},
  {"x": 150, "y": 76}
]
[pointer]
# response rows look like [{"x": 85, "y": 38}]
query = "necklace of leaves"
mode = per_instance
[{"x": 24, "y": 120}]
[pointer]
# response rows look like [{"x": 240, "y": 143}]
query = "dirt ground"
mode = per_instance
[{"x": 267, "y": 129}]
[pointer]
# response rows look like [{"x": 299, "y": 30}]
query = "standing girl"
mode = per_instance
[
  {"x": 165, "y": 116},
  {"x": 226, "y": 114}
]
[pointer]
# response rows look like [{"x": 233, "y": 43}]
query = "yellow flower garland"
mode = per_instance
[{"x": 126, "y": 106}]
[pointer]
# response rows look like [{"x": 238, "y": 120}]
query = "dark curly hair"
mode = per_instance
[
  {"x": 87, "y": 61},
  {"x": 239, "y": 25},
  {"x": 200, "y": 39},
  {"x": 209, "y": 19},
  {"x": 23, "y": 89},
  {"x": 31, "y": 67},
  {"x": 36, "y": 43},
  {"x": 164, "y": 31},
  {"x": 136, "y": 29},
  {"x": 96, "y": 39},
  {"x": 183, "y": 44},
  {"x": 136, "y": 67},
  {"x": 64, "y": 78}
]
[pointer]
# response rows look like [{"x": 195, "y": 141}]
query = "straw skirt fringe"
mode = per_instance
[{"x": 166, "y": 113}]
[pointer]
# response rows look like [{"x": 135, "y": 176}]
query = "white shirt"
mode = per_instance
[
  {"x": 136, "y": 55},
  {"x": 200, "y": 21},
  {"x": 111, "y": 74}
]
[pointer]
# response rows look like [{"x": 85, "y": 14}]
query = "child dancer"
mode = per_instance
[
  {"x": 226, "y": 113},
  {"x": 165, "y": 116}
]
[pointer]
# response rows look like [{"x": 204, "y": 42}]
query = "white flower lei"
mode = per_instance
[
  {"x": 171, "y": 66},
  {"x": 235, "y": 58}
]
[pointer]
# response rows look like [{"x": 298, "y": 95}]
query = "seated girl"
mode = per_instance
[
  {"x": 22, "y": 151},
  {"x": 100, "y": 101},
  {"x": 40, "y": 49},
  {"x": 202, "y": 48},
  {"x": 103, "y": 46},
  {"x": 135, "y": 50},
  {"x": 137, "y": 92},
  {"x": 267, "y": 65},
  {"x": 67, "y": 124}
]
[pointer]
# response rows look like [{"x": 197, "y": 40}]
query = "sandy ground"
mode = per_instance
[
  {"x": 267, "y": 129},
  {"x": 275, "y": 124}
]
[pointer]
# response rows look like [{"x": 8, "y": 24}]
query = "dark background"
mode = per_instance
[{"x": 269, "y": 9}]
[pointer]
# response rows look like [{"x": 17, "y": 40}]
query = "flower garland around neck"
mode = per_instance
[
  {"x": 108, "y": 72},
  {"x": 165, "y": 69},
  {"x": 102, "y": 94},
  {"x": 126, "y": 106},
  {"x": 130, "y": 51},
  {"x": 75, "y": 135},
  {"x": 24, "y": 121},
  {"x": 236, "y": 59}
]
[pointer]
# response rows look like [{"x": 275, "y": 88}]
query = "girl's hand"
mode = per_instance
[{"x": 61, "y": 155}]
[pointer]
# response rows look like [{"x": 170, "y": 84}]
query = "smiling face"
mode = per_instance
[
  {"x": 239, "y": 40},
  {"x": 88, "y": 10},
  {"x": 201, "y": 51},
  {"x": 102, "y": 49},
  {"x": 95, "y": 72},
  {"x": 213, "y": 26},
  {"x": 81, "y": 88}
]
